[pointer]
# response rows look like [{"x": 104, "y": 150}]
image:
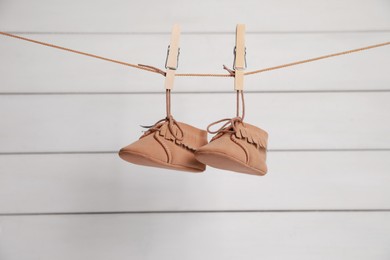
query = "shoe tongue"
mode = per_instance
[
  {"x": 166, "y": 132},
  {"x": 163, "y": 129}
]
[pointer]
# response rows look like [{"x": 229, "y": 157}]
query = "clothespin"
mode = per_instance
[
  {"x": 239, "y": 64},
  {"x": 172, "y": 60}
]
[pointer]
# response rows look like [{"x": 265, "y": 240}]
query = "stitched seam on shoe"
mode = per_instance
[
  {"x": 166, "y": 149},
  {"x": 243, "y": 148}
]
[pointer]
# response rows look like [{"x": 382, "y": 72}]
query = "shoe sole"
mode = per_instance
[
  {"x": 140, "y": 159},
  {"x": 226, "y": 162}
]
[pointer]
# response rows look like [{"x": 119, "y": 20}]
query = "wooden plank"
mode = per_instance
[
  {"x": 336, "y": 236},
  {"x": 50, "y": 123},
  {"x": 32, "y": 68},
  {"x": 158, "y": 16},
  {"x": 105, "y": 183}
]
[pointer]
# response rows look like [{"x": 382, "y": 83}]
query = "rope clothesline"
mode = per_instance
[{"x": 162, "y": 72}]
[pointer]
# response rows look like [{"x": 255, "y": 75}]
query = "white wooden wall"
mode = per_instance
[{"x": 65, "y": 194}]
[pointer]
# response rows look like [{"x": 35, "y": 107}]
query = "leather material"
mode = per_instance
[
  {"x": 239, "y": 148},
  {"x": 169, "y": 145}
]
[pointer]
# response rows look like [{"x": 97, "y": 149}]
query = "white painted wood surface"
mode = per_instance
[
  {"x": 57, "y": 123},
  {"x": 198, "y": 236},
  {"x": 205, "y": 16},
  {"x": 51, "y": 105},
  {"x": 105, "y": 183},
  {"x": 41, "y": 69}
]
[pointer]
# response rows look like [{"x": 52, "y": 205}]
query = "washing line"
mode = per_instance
[{"x": 231, "y": 72}]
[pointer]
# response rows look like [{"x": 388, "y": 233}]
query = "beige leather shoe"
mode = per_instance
[
  {"x": 237, "y": 146},
  {"x": 242, "y": 148},
  {"x": 167, "y": 144}
]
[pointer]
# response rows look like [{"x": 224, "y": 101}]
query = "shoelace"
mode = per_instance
[
  {"x": 169, "y": 118},
  {"x": 230, "y": 125},
  {"x": 171, "y": 122}
]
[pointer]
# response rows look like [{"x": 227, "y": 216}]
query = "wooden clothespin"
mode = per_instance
[
  {"x": 172, "y": 60},
  {"x": 239, "y": 64}
]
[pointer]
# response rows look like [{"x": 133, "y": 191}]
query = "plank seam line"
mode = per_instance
[
  {"x": 194, "y": 212},
  {"x": 202, "y": 33},
  {"x": 194, "y": 92},
  {"x": 270, "y": 150}
]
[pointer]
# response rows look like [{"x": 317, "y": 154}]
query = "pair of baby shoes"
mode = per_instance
[{"x": 236, "y": 146}]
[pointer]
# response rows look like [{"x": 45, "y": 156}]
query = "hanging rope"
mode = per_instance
[
  {"x": 318, "y": 58},
  {"x": 231, "y": 72}
]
